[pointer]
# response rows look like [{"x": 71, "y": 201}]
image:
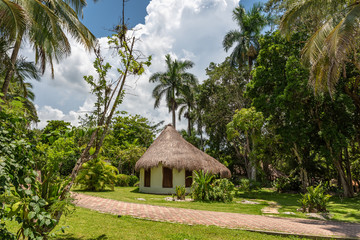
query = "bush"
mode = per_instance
[
  {"x": 287, "y": 184},
  {"x": 315, "y": 200},
  {"x": 180, "y": 192},
  {"x": 97, "y": 175},
  {"x": 222, "y": 190},
  {"x": 201, "y": 186},
  {"x": 133, "y": 180},
  {"x": 205, "y": 189},
  {"x": 123, "y": 180},
  {"x": 248, "y": 185}
]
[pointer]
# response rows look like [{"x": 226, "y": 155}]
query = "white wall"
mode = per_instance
[{"x": 156, "y": 181}]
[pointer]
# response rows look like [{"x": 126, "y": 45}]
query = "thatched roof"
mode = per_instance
[{"x": 172, "y": 151}]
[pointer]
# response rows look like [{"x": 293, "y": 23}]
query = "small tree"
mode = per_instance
[{"x": 244, "y": 131}]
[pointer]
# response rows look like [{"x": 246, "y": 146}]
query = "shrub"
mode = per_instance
[
  {"x": 122, "y": 180},
  {"x": 287, "y": 184},
  {"x": 222, "y": 190},
  {"x": 133, "y": 180},
  {"x": 315, "y": 200},
  {"x": 180, "y": 192},
  {"x": 205, "y": 189},
  {"x": 248, "y": 185},
  {"x": 97, "y": 175},
  {"x": 201, "y": 186}
]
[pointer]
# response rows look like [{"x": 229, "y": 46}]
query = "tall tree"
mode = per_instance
[
  {"x": 43, "y": 24},
  {"x": 246, "y": 38},
  {"x": 333, "y": 44},
  {"x": 170, "y": 83},
  {"x": 186, "y": 103}
]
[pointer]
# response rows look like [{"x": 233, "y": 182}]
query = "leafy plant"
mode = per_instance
[
  {"x": 133, "y": 180},
  {"x": 180, "y": 192},
  {"x": 248, "y": 185},
  {"x": 201, "y": 186},
  {"x": 97, "y": 175},
  {"x": 222, "y": 190},
  {"x": 205, "y": 188},
  {"x": 315, "y": 200}
]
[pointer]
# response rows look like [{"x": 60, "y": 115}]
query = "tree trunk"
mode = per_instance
[
  {"x": 303, "y": 172},
  {"x": 345, "y": 183},
  {"x": 251, "y": 163},
  {"x": 173, "y": 114},
  {"x": 10, "y": 72}
]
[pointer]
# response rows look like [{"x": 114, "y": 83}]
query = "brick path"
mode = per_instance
[{"x": 294, "y": 226}]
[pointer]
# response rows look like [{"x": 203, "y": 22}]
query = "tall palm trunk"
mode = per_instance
[
  {"x": 10, "y": 72},
  {"x": 189, "y": 120},
  {"x": 173, "y": 113}
]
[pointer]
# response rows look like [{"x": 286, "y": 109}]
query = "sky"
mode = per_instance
[{"x": 185, "y": 29}]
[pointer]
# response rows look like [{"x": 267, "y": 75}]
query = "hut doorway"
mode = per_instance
[
  {"x": 167, "y": 178},
  {"x": 188, "y": 178},
  {"x": 147, "y": 178}
]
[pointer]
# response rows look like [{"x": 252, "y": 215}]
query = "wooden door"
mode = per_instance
[
  {"x": 188, "y": 178},
  {"x": 167, "y": 178},
  {"x": 147, "y": 178}
]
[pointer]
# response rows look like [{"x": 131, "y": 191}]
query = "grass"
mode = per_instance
[
  {"x": 341, "y": 209},
  {"x": 89, "y": 225}
]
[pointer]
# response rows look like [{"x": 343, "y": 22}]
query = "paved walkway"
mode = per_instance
[{"x": 294, "y": 226}]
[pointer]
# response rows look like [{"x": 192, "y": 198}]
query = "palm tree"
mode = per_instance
[
  {"x": 246, "y": 39},
  {"x": 43, "y": 23},
  {"x": 19, "y": 87},
  {"x": 330, "y": 47},
  {"x": 186, "y": 103},
  {"x": 170, "y": 83}
]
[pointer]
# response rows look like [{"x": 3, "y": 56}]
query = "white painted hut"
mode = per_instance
[{"x": 169, "y": 162}]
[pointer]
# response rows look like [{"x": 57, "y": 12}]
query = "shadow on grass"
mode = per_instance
[
  {"x": 136, "y": 190},
  {"x": 71, "y": 237}
]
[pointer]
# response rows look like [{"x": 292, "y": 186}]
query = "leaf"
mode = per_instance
[
  {"x": 92, "y": 150},
  {"x": 31, "y": 215}
]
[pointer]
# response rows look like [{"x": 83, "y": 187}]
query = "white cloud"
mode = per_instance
[{"x": 188, "y": 29}]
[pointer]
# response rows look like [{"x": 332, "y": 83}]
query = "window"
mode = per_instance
[
  {"x": 167, "y": 178},
  {"x": 188, "y": 178},
  {"x": 147, "y": 178}
]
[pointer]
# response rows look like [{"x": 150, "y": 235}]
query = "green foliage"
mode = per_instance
[
  {"x": 219, "y": 96},
  {"x": 180, "y": 192},
  {"x": 287, "y": 184},
  {"x": 97, "y": 175},
  {"x": 222, "y": 190},
  {"x": 201, "y": 187},
  {"x": 123, "y": 180},
  {"x": 315, "y": 200},
  {"x": 206, "y": 188},
  {"x": 133, "y": 179},
  {"x": 248, "y": 185}
]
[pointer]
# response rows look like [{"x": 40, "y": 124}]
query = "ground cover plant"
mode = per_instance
[{"x": 85, "y": 224}]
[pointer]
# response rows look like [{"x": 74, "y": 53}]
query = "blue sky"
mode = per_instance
[
  {"x": 185, "y": 29},
  {"x": 103, "y": 15}
]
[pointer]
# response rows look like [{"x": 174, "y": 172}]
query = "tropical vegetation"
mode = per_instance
[{"x": 282, "y": 111}]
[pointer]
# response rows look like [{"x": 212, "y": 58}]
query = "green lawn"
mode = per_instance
[
  {"x": 342, "y": 210},
  {"x": 89, "y": 225}
]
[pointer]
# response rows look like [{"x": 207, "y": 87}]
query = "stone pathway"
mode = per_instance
[{"x": 294, "y": 226}]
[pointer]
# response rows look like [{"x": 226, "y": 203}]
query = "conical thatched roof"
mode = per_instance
[{"x": 172, "y": 151}]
